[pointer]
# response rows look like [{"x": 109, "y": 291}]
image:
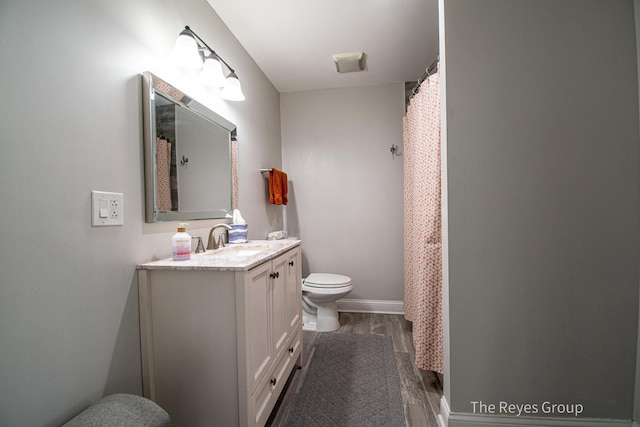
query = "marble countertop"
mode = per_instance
[{"x": 233, "y": 257}]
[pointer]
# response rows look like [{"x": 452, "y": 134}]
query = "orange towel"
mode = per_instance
[
  {"x": 285, "y": 189},
  {"x": 278, "y": 187},
  {"x": 272, "y": 178}
]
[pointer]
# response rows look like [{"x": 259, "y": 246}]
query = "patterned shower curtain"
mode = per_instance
[
  {"x": 163, "y": 175},
  {"x": 423, "y": 224}
]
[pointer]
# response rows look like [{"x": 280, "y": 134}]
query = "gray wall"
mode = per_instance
[
  {"x": 542, "y": 117},
  {"x": 70, "y": 123},
  {"x": 346, "y": 187},
  {"x": 636, "y": 409}
]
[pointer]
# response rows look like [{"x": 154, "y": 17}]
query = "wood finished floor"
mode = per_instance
[{"x": 421, "y": 390}]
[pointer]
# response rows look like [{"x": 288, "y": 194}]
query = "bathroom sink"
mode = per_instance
[
  {"x": 247, "y": 252},
  {"x": 239, "y": 251}
]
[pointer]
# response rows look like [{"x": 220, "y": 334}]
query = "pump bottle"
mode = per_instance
[{"x": 181, "y": 243}]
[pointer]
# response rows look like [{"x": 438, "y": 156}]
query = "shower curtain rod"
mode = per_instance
[{"x": 429, "y": 71}]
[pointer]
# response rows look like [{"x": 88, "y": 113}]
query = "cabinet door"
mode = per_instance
[
  {"x": 294, "y": 289},
  {"x": 258, "y": 313},
  {"x": 279, "y": 312}
]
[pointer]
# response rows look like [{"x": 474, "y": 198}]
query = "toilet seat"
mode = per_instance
[{"x": 326, "y": 280}]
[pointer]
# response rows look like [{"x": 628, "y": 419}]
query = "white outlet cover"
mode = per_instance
[{"x": 107, "y": 209}]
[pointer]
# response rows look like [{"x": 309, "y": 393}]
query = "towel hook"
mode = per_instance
[
  {"x": 395, "y": 150},
  {"x": 184, "y": 160}
]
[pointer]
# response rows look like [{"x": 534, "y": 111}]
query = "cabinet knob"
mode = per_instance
[
  {"x": 274, "y": 275},
  {"x": 290, "y": 349},
  {"x": 273, "y": 381},
  {"x": 291, "y": 263}
]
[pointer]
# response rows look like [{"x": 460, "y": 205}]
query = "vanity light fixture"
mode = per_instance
[{"x": 191, "y": 52}]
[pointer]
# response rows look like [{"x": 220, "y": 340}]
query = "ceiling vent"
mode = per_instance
[{"x": 349, "y": 62}]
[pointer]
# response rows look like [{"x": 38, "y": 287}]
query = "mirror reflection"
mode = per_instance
[{"x": 190, "y": 156}]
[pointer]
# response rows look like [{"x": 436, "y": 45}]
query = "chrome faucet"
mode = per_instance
[{"x": 212, "y": 244}]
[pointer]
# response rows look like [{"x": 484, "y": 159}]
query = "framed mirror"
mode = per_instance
[{"x": 190, "y": 156}]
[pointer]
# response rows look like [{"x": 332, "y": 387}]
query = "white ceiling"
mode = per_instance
[{"x": 293, "y": 41}]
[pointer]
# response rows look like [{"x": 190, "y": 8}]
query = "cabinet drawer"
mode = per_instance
[
  {"x": 265, "y": 397},
  {"x": 294, "y": 348}
]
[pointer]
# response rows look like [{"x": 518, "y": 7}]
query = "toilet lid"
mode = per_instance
[{"x": 327, "y": 280}]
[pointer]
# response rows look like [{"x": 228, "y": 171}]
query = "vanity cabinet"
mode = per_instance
[{"x": 219, "y": 345}]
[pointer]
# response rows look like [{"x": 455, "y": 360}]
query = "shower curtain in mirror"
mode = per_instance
[
  {"x": 163, "y": 175},
  {"x": 423, "y": 224}
]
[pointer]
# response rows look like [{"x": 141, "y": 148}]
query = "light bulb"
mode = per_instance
[
  {"x": 232, "y": 90},
  {"x": 185, "y": 52},
  {"x": 212, "y": 74}
]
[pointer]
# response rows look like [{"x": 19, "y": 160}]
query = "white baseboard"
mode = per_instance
[
  {"x": 443, "y": 416},
  {"x": 370, "y": 306},
  {"x": 446, "y": 418}
]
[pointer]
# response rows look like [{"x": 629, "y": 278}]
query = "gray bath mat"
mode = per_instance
[{"x": 352, "y": 381}]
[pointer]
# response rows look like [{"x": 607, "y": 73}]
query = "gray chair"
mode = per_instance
[{"x": 122, "y": 410}]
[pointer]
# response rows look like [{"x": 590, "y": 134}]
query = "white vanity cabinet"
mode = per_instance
[{"x": 219, "y": 342}]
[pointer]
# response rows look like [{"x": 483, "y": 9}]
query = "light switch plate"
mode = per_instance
[{"x": 107, "y": 209}]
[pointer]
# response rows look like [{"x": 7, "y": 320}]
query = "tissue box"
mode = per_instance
[{"x": 238, "y": 233}]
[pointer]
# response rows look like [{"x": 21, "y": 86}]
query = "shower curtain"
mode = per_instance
[
  {"x": 423, "y": 224},
  {"x": 163, "y": 175}
]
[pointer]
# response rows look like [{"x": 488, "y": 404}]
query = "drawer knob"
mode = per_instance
[
  {"x": 290, "y": 349},
  {"x": 274, "y": 275},
  {"x": 291, "y": 263},
  {"x": 273, "y": 381}
]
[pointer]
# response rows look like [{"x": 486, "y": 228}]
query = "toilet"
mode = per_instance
[{"x": 319, "y": 294}]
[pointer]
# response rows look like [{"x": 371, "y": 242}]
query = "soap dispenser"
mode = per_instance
[{"x": 181, "y": 243}]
